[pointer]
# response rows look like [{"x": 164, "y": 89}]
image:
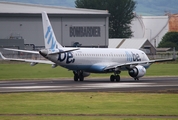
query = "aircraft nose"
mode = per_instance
[{"x": 43, "y": 52}]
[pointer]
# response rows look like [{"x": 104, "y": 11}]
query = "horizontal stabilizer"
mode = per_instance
[
  {"x": 63, "y": 51},
  {"x": 27, "y": 60},
  {"x": 27, "y": 51}
]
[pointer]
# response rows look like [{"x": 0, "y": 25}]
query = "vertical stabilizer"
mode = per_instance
[{"x": 49, "y": 37}]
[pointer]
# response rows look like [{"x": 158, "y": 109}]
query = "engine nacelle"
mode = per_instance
[
  {"x": 33, "y": 63},
  {"x": 137, "y": 71},
  {"x": 86, "y": 74}
]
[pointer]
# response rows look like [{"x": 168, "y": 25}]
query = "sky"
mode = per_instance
[{"x": 143, "y": 7}]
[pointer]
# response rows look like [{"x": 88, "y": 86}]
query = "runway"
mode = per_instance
[{"x": 152, "y": 84}]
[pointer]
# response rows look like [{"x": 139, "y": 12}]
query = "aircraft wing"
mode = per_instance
[
  {"x": 162, "y": 60},
  {"x": 27, "y": 51},
  {"x": 129, "y": 64},
  {"x": 27, "y": 60},
  {"x": 124, "y": 65}
]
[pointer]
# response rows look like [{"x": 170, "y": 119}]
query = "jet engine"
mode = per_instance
[{"x": 137, "y": 71}]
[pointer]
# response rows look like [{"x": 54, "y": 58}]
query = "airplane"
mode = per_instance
[{"x": 83, "y": 61}]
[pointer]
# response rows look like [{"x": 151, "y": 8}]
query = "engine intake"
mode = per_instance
[{"x": 137, "y": 72}]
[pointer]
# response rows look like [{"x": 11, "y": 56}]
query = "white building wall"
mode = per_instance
[
  {"x": 138, "y": 28},
  {"x": 151, "y": 27}
]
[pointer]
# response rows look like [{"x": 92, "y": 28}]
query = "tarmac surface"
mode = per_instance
[{"x": 148, "y": 84}]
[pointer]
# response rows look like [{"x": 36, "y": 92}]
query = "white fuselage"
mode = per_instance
[{"x": 96, "y": 59}]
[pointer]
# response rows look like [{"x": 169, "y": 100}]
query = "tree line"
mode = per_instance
[{"x": 121, "y": 14}]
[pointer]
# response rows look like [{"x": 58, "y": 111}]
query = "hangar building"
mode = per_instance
[{"x": 72, "y": 26}]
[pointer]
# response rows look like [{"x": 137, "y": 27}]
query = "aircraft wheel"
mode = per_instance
[
  {"x": 75, "y": 77},
  {"x": 136, "y": 79},
  {"x": 117, "y": 78},
  {"x": 112, "y": 77},
  {"x": 81, "y": 78}
]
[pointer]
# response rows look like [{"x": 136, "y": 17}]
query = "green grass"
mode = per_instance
[
  {"x": 80, "y": 118},
  {"x": 12, "y": 71},
  {"x": 88, "y": 103},
  {"x": 161, "y": 69},
  {"x": 83, "y": 103}
]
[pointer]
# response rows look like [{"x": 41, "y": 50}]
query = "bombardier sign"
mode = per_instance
[{"x": 85, "y": 31}]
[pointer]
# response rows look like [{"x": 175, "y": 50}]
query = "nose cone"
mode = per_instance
[{"x": 43, "y": 52}]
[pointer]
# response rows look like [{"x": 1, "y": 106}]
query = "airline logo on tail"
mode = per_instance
[
  {"x": 49, "y": 37},
  {"x": 51, "y": 40}
]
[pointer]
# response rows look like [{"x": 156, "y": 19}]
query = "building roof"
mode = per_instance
[
  {"x": 16, "y": 8},
  {"x": 135, "y": 43},
  {"x": 114, "y": 43},
  {"x": 163, "y": 49}
]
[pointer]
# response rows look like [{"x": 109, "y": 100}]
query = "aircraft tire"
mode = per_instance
[
  {"x": 81, "y": 78},
  {"x": 117, "y": 78},
  {"x": 136, "y": 79},
  {"x": 76, "y": 78},
  {"x": 112, "y": 78}
]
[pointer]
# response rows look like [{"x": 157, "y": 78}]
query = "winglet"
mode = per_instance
[{"x": 2, "y": 56}]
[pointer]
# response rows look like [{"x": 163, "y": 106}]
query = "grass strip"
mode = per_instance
[
  {"x": 89, "y": 103},
  {"x": 22, "y": 71},
  {"x": 82, "y": 118}
]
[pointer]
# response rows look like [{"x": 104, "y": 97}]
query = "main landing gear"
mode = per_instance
[
  {"x": 78, "y": 75},
  {"x": 115, "y": 77}
]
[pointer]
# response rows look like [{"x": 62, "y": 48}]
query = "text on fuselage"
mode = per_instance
[
  {"x": 67, "y": 57},
  {"x": 132, "y": 57}
]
